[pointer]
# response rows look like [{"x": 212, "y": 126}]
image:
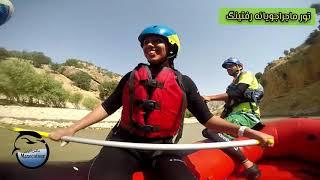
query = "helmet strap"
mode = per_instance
[
  {"x": 171, "y": 56},
  {"x": 173, "y": 49},
  {"x": 171, "y": 64}
]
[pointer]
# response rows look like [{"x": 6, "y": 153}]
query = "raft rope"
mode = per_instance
[{"x": 146, "y": 146}]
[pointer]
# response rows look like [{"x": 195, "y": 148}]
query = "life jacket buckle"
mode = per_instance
[
  {"x": 148, "y": 105},
  {"x": 146, "y": 128},
  {"x": 149, "y": 128},
  {"x": 152, "y": 83}
]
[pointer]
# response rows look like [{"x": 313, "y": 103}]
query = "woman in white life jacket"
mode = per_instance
[
  {"x": 241, "y": 108},
  {"x": 154, "y": 97}
]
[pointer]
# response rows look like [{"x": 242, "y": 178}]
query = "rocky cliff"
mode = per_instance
[{"x": 292, "y": 83}]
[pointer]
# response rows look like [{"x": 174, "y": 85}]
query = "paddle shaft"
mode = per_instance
[
  {"x": 146, "y": 146},
  {"x": 149, "y": 146}
]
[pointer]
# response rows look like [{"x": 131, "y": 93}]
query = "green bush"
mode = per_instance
[
  {"x": 38, "y": 59},
  {"x": 109, "y": 73},
  {"x": 312, "y": 37},
  {"x": 55, "y": 67},
  {"x": 75, "y": 99},
  {"x": 18, "y": 79},
  {"x": 292, "y": 49},
  {"x": 81, "y": 80},
  {"x": 316, "y": 6},
  {"x": 258, "y": 76},
  {"x": 270, "y": 65},
  {"x": 3, "y": 54},
  {"x": 73, "y": 62},
  {"x": 106, "y": 88},
  {"x": 52, "y": 93},
  {"x": 7, "y": 87},
  {"x": 61, "y": 69},
  {"x": 90, "y": 103},
  {"x": 47, "y": 91},
  {"x": 188, "y": 114},
  {"x": 20, "y": 83}
]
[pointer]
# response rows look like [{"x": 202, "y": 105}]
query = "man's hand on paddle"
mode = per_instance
[
  {"x": 265, "y": 140},
  {"x": 220, "y": 125}
]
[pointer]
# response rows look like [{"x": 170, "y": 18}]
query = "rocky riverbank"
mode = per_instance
[{"x": 54, "y": 117}]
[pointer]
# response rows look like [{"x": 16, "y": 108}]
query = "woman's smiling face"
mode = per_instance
[{"x": 155, "y": 49}]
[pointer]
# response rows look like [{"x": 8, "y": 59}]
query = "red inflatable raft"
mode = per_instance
[{"x": 296, "y": 154}]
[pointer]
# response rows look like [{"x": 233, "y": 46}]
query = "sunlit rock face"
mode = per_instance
[{"x": 292, "y": 83}]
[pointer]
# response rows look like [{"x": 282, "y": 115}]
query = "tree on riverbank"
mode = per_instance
[{"x": 20, "y": 83}]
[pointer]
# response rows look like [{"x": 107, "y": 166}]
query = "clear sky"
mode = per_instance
[{"x": 105, "y": 33}]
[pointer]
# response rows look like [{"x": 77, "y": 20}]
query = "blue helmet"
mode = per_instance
[
  {"x": 231, "y": 60},
  {"x": 6, "y": 10},
  {"x": 169, "y": 34}
]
